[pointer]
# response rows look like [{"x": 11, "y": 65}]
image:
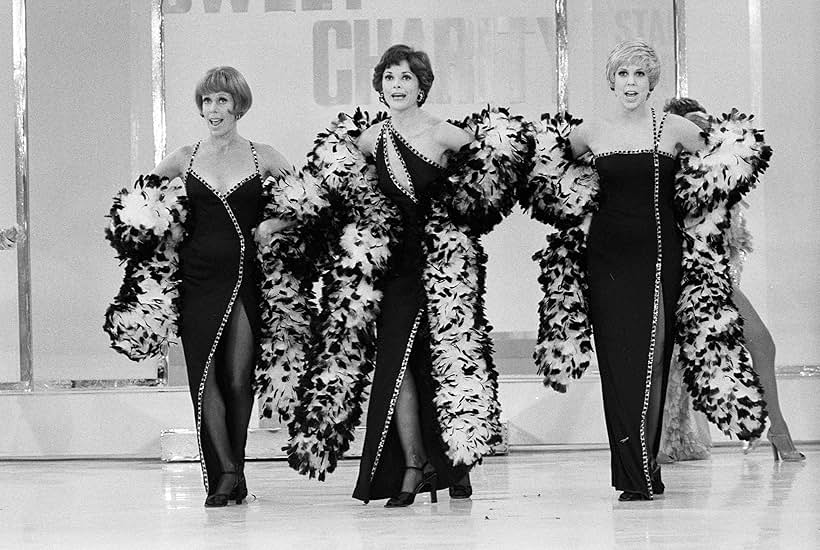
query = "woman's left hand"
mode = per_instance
[{"x": 266, "y": 229}]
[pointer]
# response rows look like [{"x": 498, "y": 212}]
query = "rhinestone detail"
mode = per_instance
[{"x": 396, "y": 389}]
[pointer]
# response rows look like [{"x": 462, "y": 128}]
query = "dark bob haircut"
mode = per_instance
[{"x": 417, "y": 60}]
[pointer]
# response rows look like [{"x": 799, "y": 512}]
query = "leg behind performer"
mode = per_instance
[{"x": 761, "y": 347}]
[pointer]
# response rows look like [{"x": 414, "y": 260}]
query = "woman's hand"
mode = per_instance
[{"x": 266, "y": 229}]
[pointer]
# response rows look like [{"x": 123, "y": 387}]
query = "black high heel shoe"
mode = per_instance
[
  {"x": 240, "y": 491},
  {"x": 628, "y": 496},
  {"x": 220, "y": 499},
  {"x": 460, "y": 491},
  {"x": 427, "y": 483}
]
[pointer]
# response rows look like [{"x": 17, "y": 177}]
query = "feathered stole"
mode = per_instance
[
  {"x": 335, "y": 387},
  {"x": 717, "y": 366},
  {"x": 147, "y": 225},
  {"x": 562, "y": 192}
]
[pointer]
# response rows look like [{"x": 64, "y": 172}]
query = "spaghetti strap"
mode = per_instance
[
  {"x": 255, "y": 157},
  {"x": 191, "y": 162},
  {"x": 656, "y": 135}
]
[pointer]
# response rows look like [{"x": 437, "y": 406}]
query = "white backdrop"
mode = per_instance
[{"x": 306, "y": 65}]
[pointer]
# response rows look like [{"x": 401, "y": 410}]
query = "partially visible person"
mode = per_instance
[{"x": 759, "y": 342}]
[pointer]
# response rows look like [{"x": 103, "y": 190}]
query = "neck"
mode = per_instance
[
  {"x": 226, "y": 140},
  {"x": 632, "y": 115},
  {"x": 406, "y": 118}
]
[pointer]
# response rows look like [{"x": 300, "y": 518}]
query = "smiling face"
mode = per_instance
[
  {"x": 219, "y": 112},
  {"x": 631, "y": 85},
  {"x": 400, "y": 87}
]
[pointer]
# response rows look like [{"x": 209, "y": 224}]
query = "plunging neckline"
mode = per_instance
[
  {"x": 223, "y": 195},
  {"x": 230, "y": 190}
]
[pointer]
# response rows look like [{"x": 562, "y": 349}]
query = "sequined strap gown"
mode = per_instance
[
  {"x": 217, "y": 268},
  {"x": 406, "y": 177},
  {"x": 634, "y": 264}
]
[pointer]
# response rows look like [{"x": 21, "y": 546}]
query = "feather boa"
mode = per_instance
[
  {"x": 464, "y": 375},
  {"x": 332, "y": 390},
  {"x": 336, "y": 384},
  {"x": 289, "y": 268},
  {"x": 716, "y": 364},
  {"x": 561, "y": 193},
  {"x": 480, "y": 189},
  {"x": 147, "y": 224},
  {"x": 9, "y": 237}
]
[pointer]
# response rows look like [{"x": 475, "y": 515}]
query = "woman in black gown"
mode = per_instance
[
  {"x": 219, "y": 317},
  {"x": 634, "y": 258},
  {"x": 402, "y": 432}
]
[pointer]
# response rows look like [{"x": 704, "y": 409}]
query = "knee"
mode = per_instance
[{"x": 237, "y": 389}]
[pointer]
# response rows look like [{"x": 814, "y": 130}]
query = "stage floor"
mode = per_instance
[{"x": 557, "y": 499}]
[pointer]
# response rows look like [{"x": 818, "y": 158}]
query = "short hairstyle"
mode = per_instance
[
  {"x": 225, "y": 79},
  {"x": 634, "y": 52},
  {"x": 417, "y": 60},
  {"x": 688, "y": 108}
]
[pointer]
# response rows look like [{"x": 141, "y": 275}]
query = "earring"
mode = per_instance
[
  {"x": 612, "y": 88},
  {"x": 420, "y": 98},
  {"x": 381, "y": 98}
]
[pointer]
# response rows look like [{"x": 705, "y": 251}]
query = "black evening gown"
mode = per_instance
[
  {"x": 217, "y": 268},
  {"x": 634, "y": 258},
  {"x": 401, "y": 337}
]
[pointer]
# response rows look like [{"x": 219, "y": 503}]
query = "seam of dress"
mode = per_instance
[{"x": 655, "y": 304}]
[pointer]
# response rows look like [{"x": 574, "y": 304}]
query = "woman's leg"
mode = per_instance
[
  {"x": 236, "y": 378},
  {"x": 215, "y": 425},
  {"x": 760, "y": 344},
  {"x": 409, "y": 431}
]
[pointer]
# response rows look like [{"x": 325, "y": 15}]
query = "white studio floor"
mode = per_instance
[{"x": 543, "y": 499}]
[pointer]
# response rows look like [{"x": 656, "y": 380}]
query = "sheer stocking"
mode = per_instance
[
  {"x": 409, "y": 431},
  {"x": 228, "y": 399}
]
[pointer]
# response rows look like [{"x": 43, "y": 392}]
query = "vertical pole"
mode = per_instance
[{"x": 22, "y": 192}]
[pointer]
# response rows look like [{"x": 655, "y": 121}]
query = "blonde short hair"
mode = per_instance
[
  {"x": 634, "y": 52},
  {"x": 225, "y": 79}
]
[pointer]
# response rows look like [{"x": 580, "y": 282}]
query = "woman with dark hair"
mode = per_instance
[
  {"x": 409, "y": 150},
  {"x": 221, "y": 202},
  {"x": 684, "y": 435},
  {"x": 623, "y": 266},
  {"x": 416, "y": 194}
]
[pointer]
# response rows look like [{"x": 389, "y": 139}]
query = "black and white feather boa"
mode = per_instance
[
  {"x": 334, "y": 388},
  {"x": 561, "y": 193},
  {"x": 717, "y": 368},
  {"x": 288, "y": 262},
  {"x": 147, "y": 225}
]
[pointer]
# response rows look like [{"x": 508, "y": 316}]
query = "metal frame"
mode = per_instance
[{"x": 27, "y": 381}]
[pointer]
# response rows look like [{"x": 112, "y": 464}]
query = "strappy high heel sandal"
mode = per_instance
[
  {"x": 783, "y": 448},
  {"x": 220, "y": 499},
  {"x": 427, "y": 483}
]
